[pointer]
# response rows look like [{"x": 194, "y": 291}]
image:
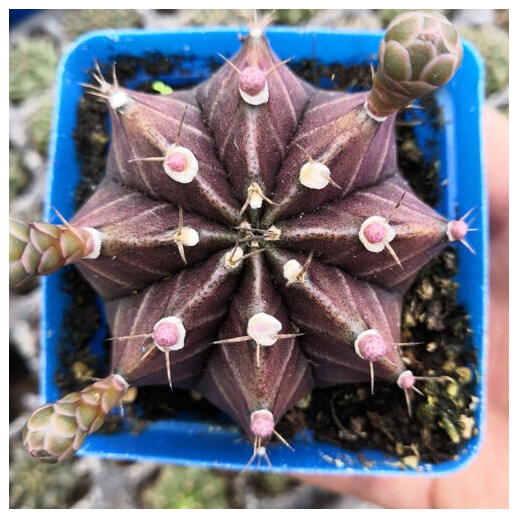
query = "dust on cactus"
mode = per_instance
[{"x": 252, "y": 238}]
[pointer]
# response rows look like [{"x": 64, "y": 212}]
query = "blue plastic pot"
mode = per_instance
[{"x": 194, "y": 443}]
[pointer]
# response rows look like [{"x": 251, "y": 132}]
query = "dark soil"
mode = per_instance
[{"x": 348, "y": 415}]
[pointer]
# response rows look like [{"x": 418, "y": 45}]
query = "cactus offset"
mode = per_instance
[{"x": 257, "y": 237}]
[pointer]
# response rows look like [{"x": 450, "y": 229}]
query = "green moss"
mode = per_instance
[
  {"x": 32, "y": 67},
  {"x": 186, "y": 488}
]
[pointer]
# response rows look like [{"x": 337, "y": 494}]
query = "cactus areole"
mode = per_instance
[{"x": 254, "y": 240}]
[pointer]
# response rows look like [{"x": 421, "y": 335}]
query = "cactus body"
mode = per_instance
[{"x": 258, "y": 237}]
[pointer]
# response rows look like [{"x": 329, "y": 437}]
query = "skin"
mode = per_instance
[{"x": 484, "y": 483}]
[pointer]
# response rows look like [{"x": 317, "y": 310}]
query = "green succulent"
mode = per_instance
[
  {"x": 186, "y": 488},
  {"x": 32, "y": 67},
  {"x": 18, "y": 176},
  {"x": 79, "y": 21},
  {"x": 493, "y": 45},
  {"x": 39, "y": 127},
  {"x": 43, "y": 486}
]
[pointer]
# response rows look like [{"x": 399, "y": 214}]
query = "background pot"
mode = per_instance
[{"x": 187, "y": 440}]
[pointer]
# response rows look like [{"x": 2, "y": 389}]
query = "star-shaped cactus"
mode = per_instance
[{"x": 252, "y": 237}]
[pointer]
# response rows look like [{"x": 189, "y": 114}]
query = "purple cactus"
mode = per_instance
[{"x": 253, "y": 237}]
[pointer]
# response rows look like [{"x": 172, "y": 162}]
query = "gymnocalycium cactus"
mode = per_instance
[{"x": 252, "y": 238}]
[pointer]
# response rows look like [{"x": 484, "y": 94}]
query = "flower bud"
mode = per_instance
[
  {"x": 55, "y": 431},
  {"x": 419, "y": 53},
  {"x": 42, "y": 248}
]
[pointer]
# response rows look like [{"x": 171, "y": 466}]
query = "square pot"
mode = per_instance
[{"x": 189, "y": 440}]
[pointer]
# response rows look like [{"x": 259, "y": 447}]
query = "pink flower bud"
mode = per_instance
[{"x": 262, "y": 423}]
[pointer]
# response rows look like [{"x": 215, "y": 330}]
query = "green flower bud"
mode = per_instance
[
  {"x": 43, "y": 248},
  {"x": 55, "y": 431}
]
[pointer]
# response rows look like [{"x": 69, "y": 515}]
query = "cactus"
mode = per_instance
[
  {"x": 252, "y": 237},
  {"x": 57, "y": 430}
]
